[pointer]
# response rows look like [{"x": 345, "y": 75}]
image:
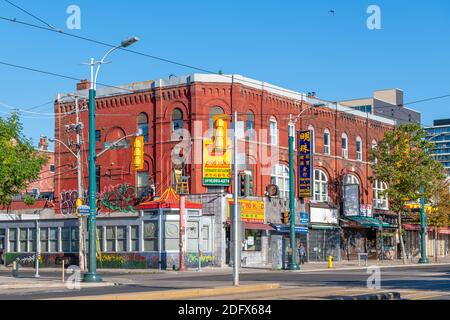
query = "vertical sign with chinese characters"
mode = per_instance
[{"x": 305, "y": 164}]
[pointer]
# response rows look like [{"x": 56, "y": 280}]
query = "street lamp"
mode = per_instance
[
  {"x": 92, "y": 275},
  {"x": 294, "y": 265},
  {"x": 423, "y": 217}
]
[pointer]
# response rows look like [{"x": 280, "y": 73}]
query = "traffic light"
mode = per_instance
[
  {"x": 286, "y": 217},
  {"x": 138, "y": 153},
  {"x": 242, "y": 187},
  {"x": 220, "y": 128},
  {"x": 245, "y": 184},
  {"x": 78, "y": 203}
]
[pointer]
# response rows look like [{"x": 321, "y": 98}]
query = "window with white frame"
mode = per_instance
[
  {"x": 351, "y": 179},
  {"x": 121, "y": 239},
  {"x": 359, "y": 149},
  {"x": 273, "y": 130},
  {"x": 32, "y": 240},
  {"x": 380, "y": 199},
  {"x": 327, "y": 142},
  {"x": 320, "y": 186},
  {"x": 65, "y": 239},
  {"x": 110, "y": 239},
  {"x": 12, "y": 240},
  {"x": 280, "y": 177},
  {"x": 374, "y": 147},
  {"x": 23, "y": 240},
  {"x": 134, "y": 238},
  {"x": 151, "y": 236},
  {"x": 44, "y": 239},
  {"x": 313, "y": 138},
  {"x": 344, "y": 146},
  {"x": 53, "y": 239}
]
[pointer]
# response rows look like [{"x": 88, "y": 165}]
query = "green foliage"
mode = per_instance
[
  {"x": 20, "y": 163},
  {"x": 29, "y": 200},
  {"x": 402, "y": 160},
  {"x": 440, "y": 198}
]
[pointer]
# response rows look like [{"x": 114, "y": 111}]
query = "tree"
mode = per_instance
[
  {"x": 402, "y": 160},
  {"x": 439, "y": 216},
  {"x": 20, "y": 163}
]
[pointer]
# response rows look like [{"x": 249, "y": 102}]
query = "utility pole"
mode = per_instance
[
  {"x": 293, "y": 264},
  {"x": 235, "y": 227}
]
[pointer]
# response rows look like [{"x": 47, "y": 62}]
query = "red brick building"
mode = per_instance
[{"x": 343, "y": 138}]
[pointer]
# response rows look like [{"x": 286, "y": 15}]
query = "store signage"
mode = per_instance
[
  {"x": 305, "y": 164},
  {"x": 84, "y": 210},
  {"x": 351, "y": 200},
  {"x": 366, "y": 210},
  {"x": 216, "y": 165},
  {"x": 304, "y": 218},
  {"x": 251, "y": 211}
]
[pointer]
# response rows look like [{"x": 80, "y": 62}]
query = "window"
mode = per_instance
[
  {"x": 44, "y": 239},
  {"x": 320, "y": 186},
  {"x": 74, "y": 239},
  {"x": 100, "y": 236},
  {"x": 351, "y": 179},
  {"x": 253, "y": 240},
  {"x": 110, "y": 239},
  {"x": 143, "y": 125},
  {"x": 215, "y": 111},
  {"x": 206, "y": 246},
  {"x": 98, "y": 136},
  {"x": 344, "y": 146},
  {"x": 313, "y": 138},
  {"x": 97, "y": 176},
  {"x": 359, "y": 149},
  {"x": 12, "y": 240},
  {"x": 32, "y": 240},
  {"x": 171, "y": 236},
  {"x": 280, "y": 177},
  {"x": 142, "y": 183},
  {"x": 250, "y": 126},
  {"x": 380, "y": 200},
  {"x": 134, "y": 238},
  {"x": 65, "y": 239},
  {"x": 374, "y": 147},
  {"x": 150, "y": 236},
  {"x": 273, "y": 128},
  {"x": 177, "y": 120},
  {"x": 327, "y": 142},
  {"x": 23, "y": 240},
  {"x": 52, "y": 168},
  {"x": 54, "y": 240},
  {"x": 192, "y": 231},
  {"x": 122, "y": 239},
  {"x": 2, "y": 239}
]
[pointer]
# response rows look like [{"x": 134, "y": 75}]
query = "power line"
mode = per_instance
[{"x": 30, "y": 14}]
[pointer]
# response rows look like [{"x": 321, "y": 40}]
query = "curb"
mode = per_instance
[
  {"x": 181, "y": 294},
  {"x": 54, "y": 285},
  {"x": 374, "y": 265},
  {"x": 377, "y": 296}
]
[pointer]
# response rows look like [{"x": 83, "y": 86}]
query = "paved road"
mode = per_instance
[{"x": 429, "y": 282}]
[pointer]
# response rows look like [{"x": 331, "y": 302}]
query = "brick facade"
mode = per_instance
[{"x": 117, "y": 116}]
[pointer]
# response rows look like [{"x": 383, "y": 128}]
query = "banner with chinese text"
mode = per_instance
[{"x": 305, "y": 164}]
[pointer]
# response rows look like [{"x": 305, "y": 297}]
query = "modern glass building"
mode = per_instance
[{"x": 440, "y": 135}]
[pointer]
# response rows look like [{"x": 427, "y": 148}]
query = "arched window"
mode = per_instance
[
  {"x": 313, "y": 138},
  {"x": 327, "y": 142},
  {"x": 143, "y": 125},
  {"x": 273, "y": 131},
  {"x": 380, "y": 200},
  {"x": 250, "y": 125},
  {"x": 351, "y": 179},
  {"x": 177, "y": 120},
  {"x": 320, "y": 186},
  {"x": 359, "y": 149},
  {"x": 280, "y": 177},
  {"x": 344, "y": 146},
  {"x": 215, "y": 111},
  {"x": 374, "y": 147}
]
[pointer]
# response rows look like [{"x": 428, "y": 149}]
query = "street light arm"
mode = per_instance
[
  {"x": 102, "y": 61},
  {"x": 114, "y": 144},
  {"x": 65, "y": 145}
]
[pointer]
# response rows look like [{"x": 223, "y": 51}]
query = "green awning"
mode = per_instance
[{"x": 369, "y": 222}]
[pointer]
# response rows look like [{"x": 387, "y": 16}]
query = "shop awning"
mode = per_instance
[
  {"x": 417, "y": 227},
  {"x": 285, "y": 228},
  {"x": 369, "y": 222},
  {"x": 323, "y": 227}
]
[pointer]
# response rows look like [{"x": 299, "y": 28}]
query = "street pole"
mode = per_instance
[
  {"x": 293, "y": 265},
  {"x": 182, "y": 263},
  {"x": 92, "y": 275},
  {"x": 81, "y": 237},
  {"x": 38, "y": 236},
  {"x": 423, "y": 228},
  {"x": 235, "y": 219}
]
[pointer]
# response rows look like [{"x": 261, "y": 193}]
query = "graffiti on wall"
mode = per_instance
[{"x": 118, "y": 198}]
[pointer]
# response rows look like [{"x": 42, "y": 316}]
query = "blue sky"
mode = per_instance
[{"x": 295, "y": 44}]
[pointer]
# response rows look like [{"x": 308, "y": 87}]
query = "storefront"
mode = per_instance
[
  {"x": 437, "y": 244},
  {"x": 324, "y": 234}
]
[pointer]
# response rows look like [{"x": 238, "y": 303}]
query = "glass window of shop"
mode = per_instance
[
  {"x": 54, "y": 240},
  {"x": 23, "y": 240},
  {"x": 206, "y": 245},
  {"x": 253, "y": 240},
  {"x": 151, "y": 236},
  {"x": 110, "y": 239},
  {"x": 134, "y": 238},
  {"x": 171, "y": 236},
  {"x": 44, "y": 239},
  {"x": 100, "y": 238},
  {"x": 12, "y": 240},
  {"x": 2, "y": 239},
  {"x": 32, "y": 240},
  {"x": 121, "y": 239},
  {"x": 193, "y": 236},
  {"x": 65, "y": 239},
  {"x": 74, "y": 239}
]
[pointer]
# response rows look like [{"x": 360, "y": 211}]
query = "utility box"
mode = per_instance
[{"x": 276, "y": 245}]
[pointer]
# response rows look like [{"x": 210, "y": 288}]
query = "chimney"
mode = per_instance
[
  {"x": 43, "y": 143},
  {"x": 83, "y": 85}
]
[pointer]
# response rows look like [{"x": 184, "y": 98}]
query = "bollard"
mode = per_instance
[
  {"x": 330, "y": 262},
  {"x": 62, "y": 270},
  {"x": 15, "y": 269}
]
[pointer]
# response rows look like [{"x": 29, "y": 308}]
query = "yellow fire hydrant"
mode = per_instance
[{"x": 330, "y": 262}]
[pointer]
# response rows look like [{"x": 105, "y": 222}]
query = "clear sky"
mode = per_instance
[{"x": 297, "y": 44}]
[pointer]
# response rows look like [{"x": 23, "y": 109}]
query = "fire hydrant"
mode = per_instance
[{"x": 330, "y": 262}]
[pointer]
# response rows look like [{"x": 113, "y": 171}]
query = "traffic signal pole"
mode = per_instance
[{"x": 235, "y": 218}]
